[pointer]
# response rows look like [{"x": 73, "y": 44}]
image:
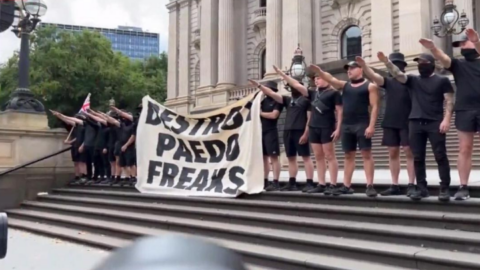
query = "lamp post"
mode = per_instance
[
  {"x": 298, "y": 68},
  {"x": 451, "y": 22},
  {"x": 27, "y": 16}
]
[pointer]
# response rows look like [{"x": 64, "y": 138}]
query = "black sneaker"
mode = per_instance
[
  {"x": 318, "y": 189},
  {"x": 332, "y": 190},
  {"x": 419, "y": 194},
  {"x": 444, "y": 195},
  {"x": 371, "y": 192},
  {"x": 462, "y": 194},
  {"x": 394, "y": 190},
  {"x": 106, "y": 181},
  {"x": 346, "y": 190},
  {"x": 308, "y": 187},
  {"x": 82, "y": 181},
  {"x": 410, "y": 189},
  {"x": 273, "y": 187},
  {"x": 290, "y": 187}
]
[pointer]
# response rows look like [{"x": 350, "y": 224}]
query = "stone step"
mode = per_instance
[
  {"x": 242, "y": 210},
  {"x": 269, "y": 256}
]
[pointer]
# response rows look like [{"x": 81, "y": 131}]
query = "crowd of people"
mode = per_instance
[
  {"x": 103, "y": 146},
  {"x": 419, "y": 108}
]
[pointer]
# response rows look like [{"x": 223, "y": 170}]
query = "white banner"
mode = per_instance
[{"x": 215, "y": 154}]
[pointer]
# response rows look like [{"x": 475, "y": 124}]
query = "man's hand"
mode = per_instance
[
  {"x": 55, "y": 113},
  {"x": 113, "y": 108},
  {"x": 67, "y": 142},
  {"x": 80, "y": 149},
  {"x": 382, "y": 58},
  {"x": 369, "y": 132},
  {"x": 472, "y": 35},
  {"x": 444, "y": 126},
  {"x": 254, "y": 83},
  {"x": 303, "y": 139},
  {"x": 277, "y": 69},
  {"x": 124, "y": 148},
  {"x": 104, "y": 151},
  {"x": 336, "y": 135},
  {"x": 315, "y": 68},
  {"x": 360, "y": 61},
  {"x": 427, "y": 43}
]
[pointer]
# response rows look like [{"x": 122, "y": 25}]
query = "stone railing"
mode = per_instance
[
  {"x": 196, "y": 38},
  {"x": 261, "y": 12},
  {"x": 240, "y": 92},
  {"x": 260, "y": 18}
]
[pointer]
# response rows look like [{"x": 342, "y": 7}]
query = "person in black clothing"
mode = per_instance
[
  {"x": 92, "y": 125},
  {"x": 358, "y": 124},
  {"x": 395, "y": 122},
  {"x": 100, "y": 158},
  {"x": 324, "y": 129},
  {"x": 75, "y": 140},
  {"x": 270, "y": 143},
  {"x": 124, "y": 150},
  {"x": 129, "y": 146},
  {"x": 429, "y": 92},
  {"x": 466, "y": 73},
  {"x": 295, "y": 134}
]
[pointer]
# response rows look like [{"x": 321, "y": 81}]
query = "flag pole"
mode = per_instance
[{"x": 87, "y": 100}]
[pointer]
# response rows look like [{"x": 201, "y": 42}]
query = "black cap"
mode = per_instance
[
  {"x": 459, "y": 40},
  {"x": 397, "y": 57},
  {"x": 351, "y": 64},
  {"x": 425, "y": 56},
  {"x": 271, "y": 84}
]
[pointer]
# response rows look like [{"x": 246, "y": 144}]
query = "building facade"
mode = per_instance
[
  {"x": 216, "y": 45},
  {"x": 133, "y": 42}
]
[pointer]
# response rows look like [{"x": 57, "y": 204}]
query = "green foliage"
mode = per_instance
[{"x": 65, "y": 67}]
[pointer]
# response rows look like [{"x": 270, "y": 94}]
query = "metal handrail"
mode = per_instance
[{"x": 34, "y": 161}]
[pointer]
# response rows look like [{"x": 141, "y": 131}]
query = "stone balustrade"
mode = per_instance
[{"x": 240, "y": 92}]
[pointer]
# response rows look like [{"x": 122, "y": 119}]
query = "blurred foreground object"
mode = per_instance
[
  {"x": 3, "y": 235},
  {"x": 172, "y": 252},
  {"x": 7, "y": 10}
]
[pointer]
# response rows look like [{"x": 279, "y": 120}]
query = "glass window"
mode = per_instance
[
  {"x": 352, "y": 43},
  {"x": 263, "y": 3}
]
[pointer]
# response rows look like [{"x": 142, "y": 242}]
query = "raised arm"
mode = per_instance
[
  {"x": 267, "y": 91},
  {"x": 292, "y": 82},
  {"x": 394, "y": 70},
  {"x": 334, "y": 82},
  {"x": 65, "y": 120},
  {"x": 372, "y": 75},
  {"x": 474, "y": 38},
  {"x": 96, "y": 118},
  {"x": 374, "y": 104},
  {"x": 111, "y": 120},
  {"x": 122, "y": 113},
  {"x": 436, "y": 52}
]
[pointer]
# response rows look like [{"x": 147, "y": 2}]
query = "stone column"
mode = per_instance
[
  {"x": 415, "y": 22},
  {"x": 297, "y": 29},
  {"x": 274, "y": 36},
  {"x": 209, "y": 45},
  {"x": 172, "y": 80},
  {"x": 318, "y": 36},
  {"x": 184, "y": 48},
  {"x": 381, "y": 27},
  {"x": 226, "y": 45}
]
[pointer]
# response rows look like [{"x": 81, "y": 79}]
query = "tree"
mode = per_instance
[{"x": 65, "y": 67}]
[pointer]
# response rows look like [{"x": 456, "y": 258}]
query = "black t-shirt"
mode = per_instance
[
  {"x": 102, "y": 137},
  {"x": 356, "y": 102},
  {"x": 323, "y": 105},
  {"x": 398, "y": 104},
  {"x": 297, "y": 108},
  {"x": 467, "y": 80},
  {"x": 270, "y": 105},
  {"x": 78, "y": 134},
  {"x": 428, "y": 96},
  {"x": 124, "y": 132},
  {"x": 91, "y": 128},
  {"x": 112, "y": 135}
]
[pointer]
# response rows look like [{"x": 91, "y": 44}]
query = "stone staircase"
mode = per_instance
[
  {"x": 380, "y": 153},
  {"x": 283, "y": 231}
]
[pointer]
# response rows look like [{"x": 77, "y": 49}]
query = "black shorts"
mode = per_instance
[
  {"x": 320, "y": 135},
  {"x": 270, "y": 143},
  {"x": 353, "y": 135},
  {"x": 76, "y": 155},
  {"x": 291, "y": 140},
  {"x": 111, "y": 155},
  {"x": 394, "y": 137},
  {"x": 118, "y": 149},
  {"x": 127, "y": 158},
  {"x": 468, "y": 121}
]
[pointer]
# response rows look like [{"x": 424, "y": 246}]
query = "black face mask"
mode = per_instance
[
  {"x": 361, "y": 80},
  {"x": 295, "y": 92},
  {"x": 320, "y": 89},
  {"x": 470, "y": 54},
  {"x": 426, "y": 70}
]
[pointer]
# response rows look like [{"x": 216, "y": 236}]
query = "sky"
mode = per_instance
[{"x": 151, "y": 15}]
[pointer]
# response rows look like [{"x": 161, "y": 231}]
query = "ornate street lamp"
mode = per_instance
[
  {"x": 27, "y": 16},
  {"x": 451, "y": 22},
  {"x": 298, "y": 68}
]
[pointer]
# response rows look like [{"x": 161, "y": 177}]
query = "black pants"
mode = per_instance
[
  {"x": 89, "y": 155},
  {"x": 420, "y": 132},
  {"x": 102, "y": 164}
]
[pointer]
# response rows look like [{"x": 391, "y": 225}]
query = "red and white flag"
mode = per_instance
[{"x": 86, "y": 104}]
